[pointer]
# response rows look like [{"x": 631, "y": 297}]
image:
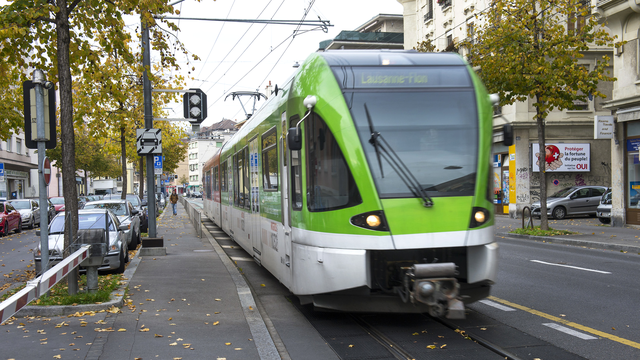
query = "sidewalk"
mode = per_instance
[
  {"x": 591, "y": 233},
  {"x": 169, "y": 313}
]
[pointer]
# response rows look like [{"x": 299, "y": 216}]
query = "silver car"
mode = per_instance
[
  {"x": 604, "y": 209},
  {"x": 127, "y": 215},
  {"x": 575, "y": 200},
  {"x": 117, "y": 255},
  {"x": 29, "y": 211}
]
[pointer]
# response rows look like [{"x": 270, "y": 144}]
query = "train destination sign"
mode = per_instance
[{"x": 416, "y": 77}]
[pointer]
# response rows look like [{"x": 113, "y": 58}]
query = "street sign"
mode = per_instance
[
  {"x": 149, "y": 141},
  {"x": 157, "y": 165},
  {"x": 29, "y": 103},
  {"x": 1, "y": 171},
  {"x": 46, "y": 171}
]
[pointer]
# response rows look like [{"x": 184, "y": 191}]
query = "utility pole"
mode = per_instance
[
  {"x": 39, "y": 81},
  {"x": 148, "y": 123}
]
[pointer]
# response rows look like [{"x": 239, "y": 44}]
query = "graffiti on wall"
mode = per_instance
[{"x": 560, "y": 181}]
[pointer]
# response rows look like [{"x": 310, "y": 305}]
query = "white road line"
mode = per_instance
[
  {"x": 571, "y": 332},
  {"x": 497, "y": 306},
  {"x": 571, "y": 267}
]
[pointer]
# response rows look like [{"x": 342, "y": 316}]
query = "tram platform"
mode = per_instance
[{"x": 190, "y": 304}]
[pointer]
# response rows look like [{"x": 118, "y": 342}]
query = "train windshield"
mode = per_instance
[{"x": 433, "y": 132}]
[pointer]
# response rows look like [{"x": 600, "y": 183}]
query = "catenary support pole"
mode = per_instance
[{"x": 148, "y": 123}]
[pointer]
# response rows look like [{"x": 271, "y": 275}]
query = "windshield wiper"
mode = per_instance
[{"x": 396, "y": 163}]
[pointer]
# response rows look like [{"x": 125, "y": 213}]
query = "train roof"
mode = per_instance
[{"x": 389, "y": 57}]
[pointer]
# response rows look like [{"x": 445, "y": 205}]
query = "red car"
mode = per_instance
[
  {"x": 10, "y": 219},
  {"x": 58, "y": 203}
]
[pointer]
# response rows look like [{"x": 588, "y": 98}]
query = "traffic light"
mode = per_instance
[{"x": 195, "y": 106}]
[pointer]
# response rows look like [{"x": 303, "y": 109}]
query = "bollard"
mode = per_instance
[{"x": 92, "y": 279}]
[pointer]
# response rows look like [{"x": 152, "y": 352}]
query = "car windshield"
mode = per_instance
[
  {"x": 117, "y": 208},
  {"x": 85, "y": 221},
  {"x": 21, "y": 204},
  {"x": 564, "y": 192},
  {"x": 133, "y": 199},
  {"x": 57, "y": 201}
]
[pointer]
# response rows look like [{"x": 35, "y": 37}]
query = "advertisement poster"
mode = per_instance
[
  {"x": 562, "y": 157},
  {"x": 634, "y": 193}
]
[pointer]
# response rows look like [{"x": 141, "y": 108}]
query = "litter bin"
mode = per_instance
[{"x": 99, "y": 241}]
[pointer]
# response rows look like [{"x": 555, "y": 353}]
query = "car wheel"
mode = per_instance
[
  {"x": 604, "y": 220},
  {"x": 134, "y": 243},
  {"x": 19, "y": 229},
  {"x": 5, "y": 232},
  {"x": 120, "y": 269},
  {"x": 32, "y": 223},
  {"x": 559, "y": 213}
]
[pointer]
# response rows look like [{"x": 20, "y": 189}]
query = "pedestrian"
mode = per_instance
[{"x": 174, "y": 202}]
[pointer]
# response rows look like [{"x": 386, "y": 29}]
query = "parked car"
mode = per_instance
[
  {"x": 196, "y": 194},
  {"x": 575, "y": 200},
  {"x": 58, "y": 203},
  {"x": 140, "y": 205},
  {"x": 127, "y": 215},
  {"x": 100, "y": 219},
  {"x": 604, "y": 209},
  {"x": 9, "y": 219},
  {"x": 52, "y": 209},
  {"x": 162, "y": 200},
  {"x": 29, "y": 211}
]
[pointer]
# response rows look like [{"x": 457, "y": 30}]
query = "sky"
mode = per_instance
[{"x": 245, "y": 57}]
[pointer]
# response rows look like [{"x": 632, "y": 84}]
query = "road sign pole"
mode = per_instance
[
  {"x": 148, "y": 123},
  {"x": 38, "y": 79}
]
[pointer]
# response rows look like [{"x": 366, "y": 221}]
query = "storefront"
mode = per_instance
[
  {"x": 13, "y": 184},
  {"x": 632, "y": 173},
  {"x": 501, "y": 183}
]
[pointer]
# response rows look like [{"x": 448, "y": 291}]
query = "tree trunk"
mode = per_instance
[
  {"x": 66, "y": 133},
  {"x": 123, "y": 154},
  {"x": 544, "y": 221}
]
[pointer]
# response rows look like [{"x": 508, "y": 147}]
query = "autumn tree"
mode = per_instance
[
  {"x": 529, "y": 49},
  {"x": 11, "y": 114},
  {"x": 69, "y": 39}
]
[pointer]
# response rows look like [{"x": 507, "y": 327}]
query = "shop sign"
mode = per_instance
[
  {"x": 16, "y": 173},
  {"x": 1, "y": 171},
  {"x": 633, "y": 144},
  {"x": 563, "y": 157},
  {"x": 603, "y": 127},
  {"x": 497, "y": 161}
]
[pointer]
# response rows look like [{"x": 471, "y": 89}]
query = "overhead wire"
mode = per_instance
[
  {"x": 234, "y": 46},
  {"x": 216, "y": 40}
]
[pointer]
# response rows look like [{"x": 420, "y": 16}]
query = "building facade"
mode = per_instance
[
  {"x": 587, "y": 160},
  {"x": 19, "y": 176},
  {"x": 622, "y": 17}
]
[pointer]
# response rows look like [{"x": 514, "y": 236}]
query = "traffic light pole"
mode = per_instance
[
  {"x": 148, "y": 123},
  {"x": 39, "y": 80}
]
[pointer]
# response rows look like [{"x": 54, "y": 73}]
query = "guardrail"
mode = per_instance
[
  {"x": 194, "y": 215},
  {"x": 42, "y": 283}
]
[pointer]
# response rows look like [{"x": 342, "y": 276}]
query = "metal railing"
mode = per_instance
[{"x": 194, "y": 215}]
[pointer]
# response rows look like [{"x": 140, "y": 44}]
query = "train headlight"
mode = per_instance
[
  {"x": 373, "y": 220},
  {"x": 479, "y": 217}
]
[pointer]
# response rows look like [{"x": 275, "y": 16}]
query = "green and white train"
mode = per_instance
[{"x": 363, "y": 183}]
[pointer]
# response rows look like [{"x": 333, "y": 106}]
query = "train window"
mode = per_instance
[
  {"x": 237, "y": 179},
  {"x": 269, "y": 160},
  {"x": 330, "y": 185},
  {"x": 223, "y": 177},
  {"x": 296, "y": 175},
  {"x": 216, "y": 186},
  {"x": 245, "y": 180}
]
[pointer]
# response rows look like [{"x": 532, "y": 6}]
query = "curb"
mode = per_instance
[
  {"x": 117, "y": 296},
  {"x": 574, "y": 242}
]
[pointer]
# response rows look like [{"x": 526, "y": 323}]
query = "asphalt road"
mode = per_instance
[
  {"x": 582, "y": 300},
  {"x": 16, "y": 256}
]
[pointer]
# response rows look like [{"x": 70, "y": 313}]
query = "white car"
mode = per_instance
[
  {"x": 126, "y": 213},
  {"x": 604, "y": 209},
  {"x": 88, "y": 219},
  {"x": 29, "y": 211}
]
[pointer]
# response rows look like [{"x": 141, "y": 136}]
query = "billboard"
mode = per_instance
[{"x": 562, "y": 157}]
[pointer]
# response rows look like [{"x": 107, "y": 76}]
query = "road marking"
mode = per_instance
[
  {"x": 568, "y": 323},
  {"x": 571, "y": 267},
  {"x": 497, "y": 306},
  {"x": 572, "y": 332}
]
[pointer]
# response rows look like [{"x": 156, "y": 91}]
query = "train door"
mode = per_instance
[
  {"x": 254, "y": 228},
  {"x": 284, "y": 183}
]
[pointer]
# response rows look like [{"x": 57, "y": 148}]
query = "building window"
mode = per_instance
[
  {"x": 444, "y": 3},
  {"x": 9, "y": 143},
  {"x": 19, "y": 146},
  {"x": 270, "y": 161},
  {"x": 429, "y": 15},
  {"x": 577, "y": 20}
]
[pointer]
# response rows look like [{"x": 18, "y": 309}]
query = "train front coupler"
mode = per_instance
[{"x": 436, "y": 286}]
